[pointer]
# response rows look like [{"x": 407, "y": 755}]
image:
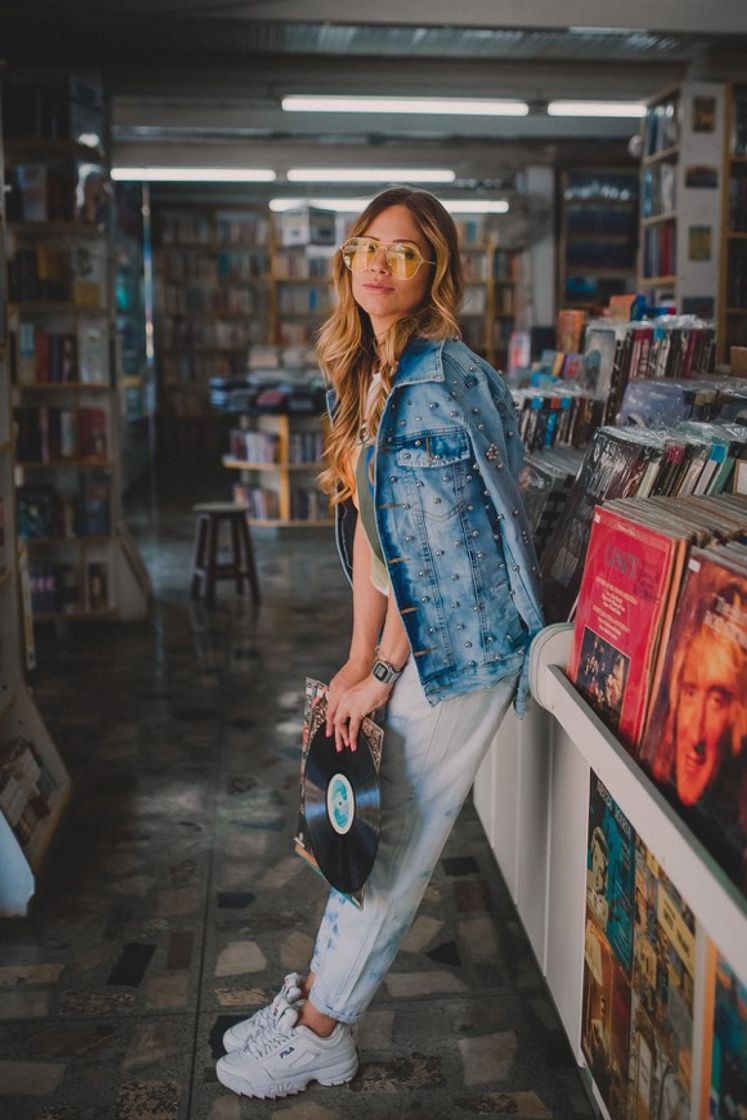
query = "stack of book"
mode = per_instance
[
  {"x": 54, "y": 588},
  {"x": 254, "y": 447},
  {"x": 660, "y": 652},
  {"x": 44, "y": 514},
  {"x": 261, "y": 504},
  {"x": 47, "y": 434}
]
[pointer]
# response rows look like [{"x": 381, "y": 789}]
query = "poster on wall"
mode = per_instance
[
  {"x": 661, "y": 1013},
  {"x": 724, "y": 1081}
]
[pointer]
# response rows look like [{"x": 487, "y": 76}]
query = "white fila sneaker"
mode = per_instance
[
  {"x": 284, "y": 1058},
  {"x": 237, "y": 1035}
]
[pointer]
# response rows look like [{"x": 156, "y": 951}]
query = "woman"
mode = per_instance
[{"x": 423, "y": 458}]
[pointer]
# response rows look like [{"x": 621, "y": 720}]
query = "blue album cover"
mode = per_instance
[{"x": 610, "y": 872}]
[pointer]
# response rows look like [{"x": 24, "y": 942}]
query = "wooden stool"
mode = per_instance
[{"x": 206, "y": 571}]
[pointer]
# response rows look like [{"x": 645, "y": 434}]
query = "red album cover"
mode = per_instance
[
  {"x": 695, "y": 745},
  {"x": 621, "y": 609}
]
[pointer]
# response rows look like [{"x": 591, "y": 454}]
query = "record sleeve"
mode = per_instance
[{"x": 370, "y": 737}]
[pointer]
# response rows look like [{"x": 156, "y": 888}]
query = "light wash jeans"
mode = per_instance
[{"x": 429, "y": 762}]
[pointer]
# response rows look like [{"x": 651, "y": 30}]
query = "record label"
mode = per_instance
[{"x": 340, "y": 804}]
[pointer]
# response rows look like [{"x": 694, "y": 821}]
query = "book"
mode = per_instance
[
  {"x": 695, "y": 744},
  {"x": 97, "y": 585},
  {"x": 631, "y": 570}
]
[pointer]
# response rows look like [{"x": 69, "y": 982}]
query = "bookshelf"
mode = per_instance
[
  {"x": 212, "y": 301},
  {"x": 277, "y": 457},
  {"x": 680, "y": 220},
  {"x": 492, "y": 276},
  {"x": 732, "y": 319},
  {"x": 598, "y": 235},
  {"x": 20, "y": 860},
  {"x": 65, "y": 390}
]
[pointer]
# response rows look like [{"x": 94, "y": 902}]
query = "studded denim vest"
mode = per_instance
[{"x": 451, "y": 521}]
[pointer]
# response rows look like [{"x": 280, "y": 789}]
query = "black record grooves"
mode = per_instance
[{"x": 341, "y": 805}]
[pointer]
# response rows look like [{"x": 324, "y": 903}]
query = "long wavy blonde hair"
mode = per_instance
[{"x": 346, "y": 347}]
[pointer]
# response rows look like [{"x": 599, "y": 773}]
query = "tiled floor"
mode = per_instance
[{"x": 171, "y": 904}]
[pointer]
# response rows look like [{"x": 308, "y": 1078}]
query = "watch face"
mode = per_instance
[{"x": 380, "y": 671}]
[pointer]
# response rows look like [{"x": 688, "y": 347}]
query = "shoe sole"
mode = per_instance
[{"x": 286, "y": 1088}]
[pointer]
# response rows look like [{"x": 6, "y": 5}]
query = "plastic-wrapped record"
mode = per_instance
[{"x": 341, "y": 803}]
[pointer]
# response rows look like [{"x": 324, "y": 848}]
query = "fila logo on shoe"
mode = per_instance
[{"x": 285, "y": 1053}]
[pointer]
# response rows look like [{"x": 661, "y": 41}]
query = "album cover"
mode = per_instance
[
  {"x": 695, "y": 744},
  {"x": 610, "y": 872},
  {"x": 661, "y": 1020},
  {"x": 605, "y": 1022},
  {"x": 315, "y": 713},
  {"x": 723, "y": 1091}
]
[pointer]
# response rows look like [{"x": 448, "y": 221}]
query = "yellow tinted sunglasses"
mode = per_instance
[{"x": 402, "y": 260}]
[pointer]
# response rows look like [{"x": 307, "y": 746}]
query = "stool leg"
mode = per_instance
[
  {"x": 251, "y": 567},
  {"x": 238, "y": 566},
  {"x": 198, "y": 557},
  {"x": 212, "y": 560}
]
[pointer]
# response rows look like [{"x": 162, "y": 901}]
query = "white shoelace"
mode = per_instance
[
  {"x": 289, "y": 993},
  {"x": 275, "y": 1033}
]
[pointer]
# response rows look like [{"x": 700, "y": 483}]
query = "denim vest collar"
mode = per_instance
[{"x": 421, "y": 361}]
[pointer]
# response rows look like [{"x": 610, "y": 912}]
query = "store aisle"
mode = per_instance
[{"x": 172, "y": 905}]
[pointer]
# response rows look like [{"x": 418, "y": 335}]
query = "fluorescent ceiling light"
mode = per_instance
[
  {"x": 476, "y": 205},
  {"x": 369, "y": 175},
  {"x": 596, "y": 109},
  {"x": 341, "y": 205},
  {"x": 356, "y": 205},
  {"x": 194, "y": 174},
  {"x": 458, "y": 106}
]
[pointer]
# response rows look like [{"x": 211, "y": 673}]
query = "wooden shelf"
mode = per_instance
[
  {"x": 737, "y": 235},
  {"x": 657, "y": 282},
  {"x": 736, "y": 310},
  {"x": 71, "y": 386},
  {"x": 55, "y": 307},
  {"x": 54, "y": 229},
  {"x": 241, "y": 464},
  {"x": 87, "y": 464},
  {"x": 5, "y": 446},
  {"x": 613, "y": 273},
  {"x": 738, "y": 159},
  {"x": 664, "y": 154},
  {"x": 656, "y": 219}
]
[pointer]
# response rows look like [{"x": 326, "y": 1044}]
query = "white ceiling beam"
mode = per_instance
[{"x": 693, "y": 16}]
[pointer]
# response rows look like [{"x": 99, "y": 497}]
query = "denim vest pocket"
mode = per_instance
[{"x": 435, "y": 470}]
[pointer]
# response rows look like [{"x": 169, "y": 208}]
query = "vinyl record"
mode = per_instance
[{"x": 341, "y": 803}]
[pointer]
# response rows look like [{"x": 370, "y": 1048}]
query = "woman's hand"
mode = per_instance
[
  {"x": 353, "y": 671},
  {"x": 354, "y": 704}
]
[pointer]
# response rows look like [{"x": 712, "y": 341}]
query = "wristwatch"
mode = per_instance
[{"x": 384, "y": 671}]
